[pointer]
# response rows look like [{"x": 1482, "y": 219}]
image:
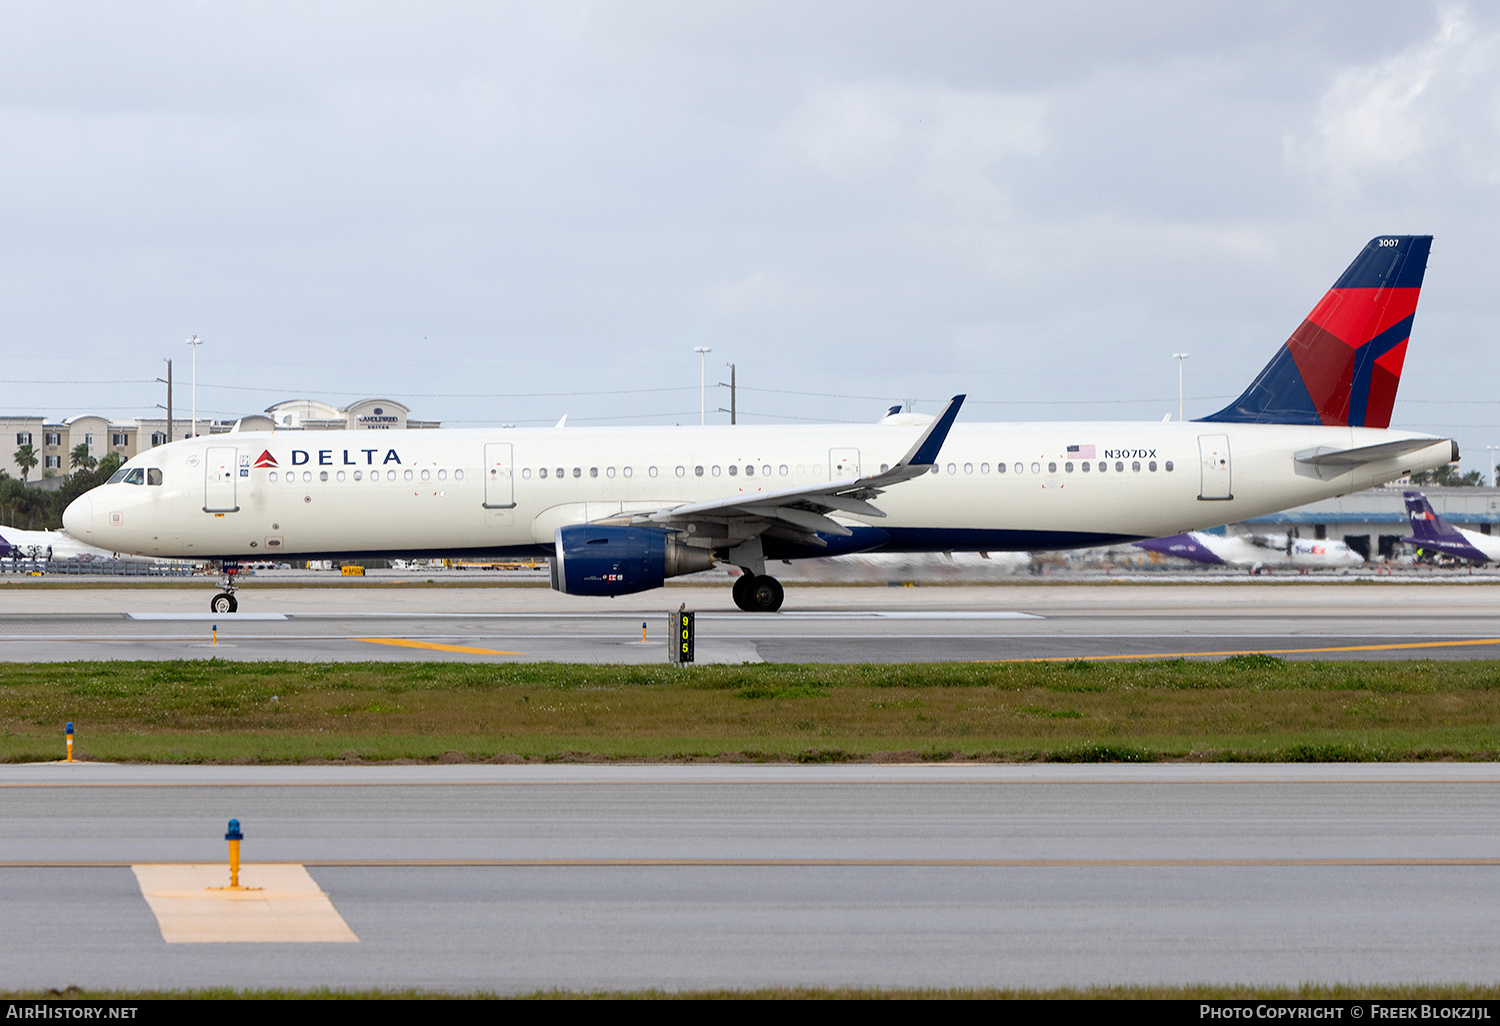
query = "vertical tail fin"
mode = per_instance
[
  {"x": 1343, "y": 364},
  {"x": 1426, "y": 525}
]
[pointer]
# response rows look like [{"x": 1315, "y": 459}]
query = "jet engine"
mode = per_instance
[{"x": 613, "y": 561}]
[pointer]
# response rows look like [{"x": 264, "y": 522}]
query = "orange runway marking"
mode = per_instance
[{"x": 434, "y": 646}]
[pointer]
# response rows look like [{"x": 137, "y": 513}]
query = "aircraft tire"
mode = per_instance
[
  {"x": 765, "y": 595},
  {"x": 223, "y": 603},
  {"x": 742, "y": 585}
]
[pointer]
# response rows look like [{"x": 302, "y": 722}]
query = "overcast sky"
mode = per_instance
[{"x": 502, "y": 213}]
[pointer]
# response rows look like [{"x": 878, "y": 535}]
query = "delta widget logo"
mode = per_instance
[{"x": 266, "y": 459}]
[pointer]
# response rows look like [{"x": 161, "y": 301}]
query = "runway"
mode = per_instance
[
  {"x": 1322, "y": 620},
  {"x": 512, "y": 878}
]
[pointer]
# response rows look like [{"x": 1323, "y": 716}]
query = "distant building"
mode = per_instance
[{"x": 54, "y": 441}]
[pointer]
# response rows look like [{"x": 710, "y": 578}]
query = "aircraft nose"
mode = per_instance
[{"x": 78, "y": 518}]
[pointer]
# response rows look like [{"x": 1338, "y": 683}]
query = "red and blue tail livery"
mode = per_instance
[{"x": 1343, "y": 364}]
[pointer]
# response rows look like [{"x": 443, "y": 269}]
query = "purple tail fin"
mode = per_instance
[{"x": 1426, "y": 525}]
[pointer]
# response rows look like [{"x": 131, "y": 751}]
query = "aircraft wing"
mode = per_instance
[{"x": 800, "y": 514}]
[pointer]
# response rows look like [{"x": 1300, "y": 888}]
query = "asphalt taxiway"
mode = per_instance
[
  {"x": 512, "y": 878},
  {"x": 1122, "y": 620}
]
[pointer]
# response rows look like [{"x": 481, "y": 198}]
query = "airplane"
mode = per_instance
[
  {"x": 1254, "y": 551},
  {"x": 618, "y": 510},
  {"x": 1430, "y": 532},
  {"x": 49, "y": 545}
]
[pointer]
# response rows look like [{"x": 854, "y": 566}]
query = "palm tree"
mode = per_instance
[
  {"x": 25, "y": 458},
  {"x": 81, "y": 459}
]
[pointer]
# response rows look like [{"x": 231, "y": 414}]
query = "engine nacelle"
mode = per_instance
[{"x": 620, "y": 560}]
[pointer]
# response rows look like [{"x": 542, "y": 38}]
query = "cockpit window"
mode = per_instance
[
  {"x": 136, "y": 476},
  {"x": 153, "y": 476},
  {"x": 117, "y": 477}
]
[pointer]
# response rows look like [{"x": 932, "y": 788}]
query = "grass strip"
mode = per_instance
[{"x": 1253, "y": 708}]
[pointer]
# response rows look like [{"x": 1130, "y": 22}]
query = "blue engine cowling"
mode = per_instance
[{"x": 607, "y": 560}]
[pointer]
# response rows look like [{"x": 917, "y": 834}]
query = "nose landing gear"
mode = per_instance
[
  {"x": 224, "y": 601},
  {"x": 758, "y": 593}
]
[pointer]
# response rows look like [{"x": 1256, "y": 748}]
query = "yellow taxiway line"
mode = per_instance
[
  {"x": 435, "y": 646},
  {"x": 1251, "y": 651},
  {"x": 213, "y": 872}
]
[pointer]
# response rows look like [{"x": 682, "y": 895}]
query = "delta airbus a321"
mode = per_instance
[{"x": 619, "y": 510}]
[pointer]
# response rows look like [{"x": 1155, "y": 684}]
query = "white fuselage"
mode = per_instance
[
  {"x": 18, "y": 544},
  {"x": 374, "y": 493}
]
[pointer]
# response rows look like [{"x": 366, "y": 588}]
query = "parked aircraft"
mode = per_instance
[
  {"x": 618, "y": 510},
  {"x": 47, "y": 545},
  {"x": 1431, "y": 533},
  {"x": 1254, "y": 550}
]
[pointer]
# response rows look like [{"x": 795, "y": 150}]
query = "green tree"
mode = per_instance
[
  {"x": 25, "y": 458},
  {"x": 1449, "y": 477},
  {"x": 81, "y": 459}
]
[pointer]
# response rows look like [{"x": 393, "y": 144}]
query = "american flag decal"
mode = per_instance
[{"x": 1083, "y": 452}]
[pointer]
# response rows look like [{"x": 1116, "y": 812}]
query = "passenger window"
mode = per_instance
[
  {"x": 952, "y": 468},
  {"x": 593, "y": 472},
  {"x": 1085, "y": 467},
  {"x": 390, "y": 475},
  {"x": 1119, "y": 467},
  {"x": 1020, "y": 468},
  {"x": 1168, "y": 466},
  {"x": 715, "y": 470},
  {"x": 968, "y": 468},
  {"x": 153, "y": 476},
  {"x": 339, "y": 476},
  {"x": 307, "y": 475},
  {"x": 698, "y": 471},
  {"x": 1151, "y": 466},
  {"x": 1103, "y": 467},
  {"x": 561, "y": 472},
  {"x": 272, "y": 477},
  {"x": 426, "y": 475},
  {"x": 1136, "y": 466},
  {"x": 540, "y": 473},
  {"x": 407, "y": 475},
  {"x": 577, "y": 471},
  {"x": 749, "y": 470},
  {"x": 458, "y": 475},
  {"x": 442, "y": 475},
  {"x": 626, "y": 471},
  {"x": 609, "y": 471},
  {"x": 358, "y": 476},
  {"x": 1052, "y": 468},
  {"x": 1068, "y": 467},
  {"x": 783, "y": 470},
  {"x": 1036, "y": 468},
  {"x": 984, "y": 468},
  {"x": 999, "y": 468},
  {"x": 733, "y": 470},
  {"x": 323, "y": 475}
]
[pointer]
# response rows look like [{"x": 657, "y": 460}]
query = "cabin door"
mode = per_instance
[
  {"x": 219, "y": 480},
  {"x": 499, "y": 476},
  {"x": 1213, "y": 454}
]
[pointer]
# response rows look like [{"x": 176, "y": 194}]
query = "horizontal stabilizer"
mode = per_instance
[{"x": 1326, "y": 463}]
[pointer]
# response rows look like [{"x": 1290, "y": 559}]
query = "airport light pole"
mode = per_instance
[
  {"x": 195, "y": 342},
  {"x": 702, "y": 352},
  {"x": 1492, "y": 449},
  {"x": 1179, "y": 357}
]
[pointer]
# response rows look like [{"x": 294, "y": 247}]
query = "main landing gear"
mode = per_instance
[
  {"x": 758, "y": 593},
  {"x": 224, "y": 601}
]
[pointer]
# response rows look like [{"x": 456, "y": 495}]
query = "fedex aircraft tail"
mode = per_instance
[
  {"x": 1342, "y": 366},
  {"x": 1426, "y": 526}
]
